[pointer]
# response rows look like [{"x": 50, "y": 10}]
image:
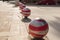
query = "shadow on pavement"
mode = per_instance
[{"x": 56, "y": 25}]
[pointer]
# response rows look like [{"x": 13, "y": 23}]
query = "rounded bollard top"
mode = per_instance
[
  {"x": 38, "y": 24},
  {"x": 26, "y": 10}
]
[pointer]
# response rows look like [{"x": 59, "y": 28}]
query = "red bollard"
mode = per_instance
[
  {"x": 38, "y": 28},
  {"x": 26, "y": 12},
  {"x": 21, "y": 5}
]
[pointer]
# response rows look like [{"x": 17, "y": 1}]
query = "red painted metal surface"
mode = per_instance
[{"x": 38, "y": 28}]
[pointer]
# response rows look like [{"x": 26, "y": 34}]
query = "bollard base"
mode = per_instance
[
  {"x": 32, "y": 38},
  {"x": 26, "y": 19},
  {"x": 37, "y": 39}
]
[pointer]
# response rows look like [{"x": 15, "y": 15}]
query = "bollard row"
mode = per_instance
[{"x": 38, "y": 28}]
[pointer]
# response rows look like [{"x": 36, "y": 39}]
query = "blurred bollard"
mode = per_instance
[
  {"x": 21, "y": 6},
  {"x": 26, "y": 12},
  {"x": 38, "y": 28}
]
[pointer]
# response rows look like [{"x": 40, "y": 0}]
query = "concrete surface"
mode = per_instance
[{"x": 12, "y": 28}]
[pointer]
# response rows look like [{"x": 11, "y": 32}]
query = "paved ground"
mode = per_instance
[{"x": 12, "y": 28}]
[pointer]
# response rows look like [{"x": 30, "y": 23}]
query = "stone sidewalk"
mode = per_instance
[
  {"x": 12, "y": 28},
  {"x": 9, "y": 22}
]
